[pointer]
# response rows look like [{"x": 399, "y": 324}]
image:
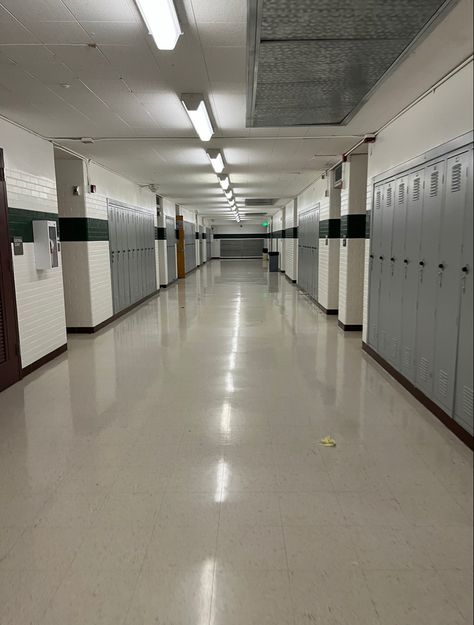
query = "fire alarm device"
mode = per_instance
[{"x": 93, "y": 188}]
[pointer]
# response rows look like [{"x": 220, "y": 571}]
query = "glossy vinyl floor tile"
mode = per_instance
[{"x": 169, "y": 471}]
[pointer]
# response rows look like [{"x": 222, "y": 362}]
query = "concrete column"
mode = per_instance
[
  {"x": 329, "y": 231},
  {"x": 352, "y": 242}
]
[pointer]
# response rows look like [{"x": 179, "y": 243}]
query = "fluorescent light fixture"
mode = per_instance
[
  {"x": 197, "y": 111},
  {"x": 162, "y": 22},
  {"x": 224, "y": 181},
  {"x": 229, "y": 194},
  {"x": 217, "y": 160}
]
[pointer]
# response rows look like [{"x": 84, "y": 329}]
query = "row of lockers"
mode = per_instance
[
  {"x": 420, "y": 290},
  {"x": 132, "y": 254},
  {"x": 189, "y": 246},
  {"x": 171, "y": 249},
  {"x": 308, "y": 251}
]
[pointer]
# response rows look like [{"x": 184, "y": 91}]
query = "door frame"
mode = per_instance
[{"x": 8, "y": 279}]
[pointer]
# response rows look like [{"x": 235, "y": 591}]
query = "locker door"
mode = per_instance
[
  {"x": 375, "y": 264},
  {"x": 411, "y": 272},
  {"x": 386, "y": 271},
  {"x": 397, "y": 271},
  {"x": 316, "y": 254},
  {"x": 463, "y": 405},
  {"x": 113, "y": 255},
  {"x": 123, "y": 259},
  {"x": 433, "y": 194},
  {"x": 448, "y": 281}
]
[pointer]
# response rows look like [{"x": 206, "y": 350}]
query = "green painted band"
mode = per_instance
[
  {"x": 353, "y": 226},
  {"x": 20, "y": 222}
]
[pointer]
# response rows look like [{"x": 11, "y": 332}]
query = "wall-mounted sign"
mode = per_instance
[
  {"x": 265, "y": 224},
  {"x": 18, "y": 246}
]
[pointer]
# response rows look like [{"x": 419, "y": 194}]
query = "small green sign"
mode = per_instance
[{"x": 265, "y": 224}]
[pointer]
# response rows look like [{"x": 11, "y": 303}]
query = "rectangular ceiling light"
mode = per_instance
[
  {"x": 224, "y": 182},
  {"x": 229, "y": 194},
  {"x": 197, "y": 111},
  {"x": 162, "y": 22},
  {"x": 217, "y": 160}
]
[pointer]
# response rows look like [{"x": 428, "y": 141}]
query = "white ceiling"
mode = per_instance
[{"x": 125, "y": 94}]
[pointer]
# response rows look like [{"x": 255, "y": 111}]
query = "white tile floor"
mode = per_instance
[{"x": 167, "y": 472}]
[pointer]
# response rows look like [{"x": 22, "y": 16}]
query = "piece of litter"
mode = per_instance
[{"x": 328, "y": 442}]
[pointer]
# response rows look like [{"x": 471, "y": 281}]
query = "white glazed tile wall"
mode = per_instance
[
  {"x": 351, "y": 280},
  {"x": 39, "y": 294},
  {"x": 40, "y": 306}
]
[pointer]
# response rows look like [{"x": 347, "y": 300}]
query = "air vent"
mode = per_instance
[
  {"x": 377, "y": 199},
  {"x": 406, "y": 357},
  {"x": 389, "y": 196},
  {"x": 338, "y": 176},
  {"x": 443, "y": 383},
  {"x": 456, "y": 178},
  {"x": 401, "y": 193},
  {"x": 434, "y": 184},
  {"x": 416, "y": 189},
  {"x": 249, "y": 214},
  {"x": 259, "y": 202},
  {"x": 424, "y": 369},
  {"x": 468, "y": 401}
]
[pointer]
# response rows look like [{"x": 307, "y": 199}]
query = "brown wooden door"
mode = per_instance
[{"x": 10, "y": 367}]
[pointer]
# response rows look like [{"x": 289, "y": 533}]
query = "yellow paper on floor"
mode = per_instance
[{"x": 328, "y": 442}]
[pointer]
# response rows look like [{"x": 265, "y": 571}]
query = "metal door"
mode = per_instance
[
  {"x": 375, "y": 265},
  {"x": 411, "y": 272},
  {"x": 463, "y": 404},
  {"x": 397, "y": 271},
  {"x": 10, "y": 366},
  {"x": 433, "y": 194},
  {"x": 448, "y": 280}
]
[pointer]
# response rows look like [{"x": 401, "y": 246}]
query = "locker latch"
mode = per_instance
[
  {"x": 440, "y": 273},
  {"x": 392, "y": 261},
  {"x": 465, "y": 272},
  {"x": 422, "y": 266},
  {"x": 405, "y": 262}
]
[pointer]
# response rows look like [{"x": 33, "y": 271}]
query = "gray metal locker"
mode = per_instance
[
  {"x": 384, "y": 317},
  {"x": 171, "y": 248},
  {"x": 464, "y": 393},
  {"x": 375, "y": 265},
  {"x": 433, "y": 196},
  {"x": 397, "y": 270},
  {"x": 411, "y": 272},
  {"x": 208, "y": 243},
  {"x": 308, "y": 251},
  {"x": 449, "y": 280}
]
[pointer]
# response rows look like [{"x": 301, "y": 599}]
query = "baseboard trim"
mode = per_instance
[
  {"x": 165, "y": 286},
  {"x": 438, "y": 412},
  {"x": 43, "y": 360},
  {"x": 290, "y": 279},
  {"x": 349, "y": 327},
  {"x": 327, "y": 311},
  {"x": 103, "y": 324}
]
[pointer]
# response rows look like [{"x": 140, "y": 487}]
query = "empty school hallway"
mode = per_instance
[{"x": 169, "y": 470}]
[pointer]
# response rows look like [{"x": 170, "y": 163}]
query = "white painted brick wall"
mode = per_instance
[
  {"x": 100, "y": 281},
  {"x": 351, "y": 281},
  {"x": 30, "y": 192}
]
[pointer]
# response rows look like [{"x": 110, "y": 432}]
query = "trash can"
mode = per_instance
[
  {"x": 265, "y": 255},
  {"x": 273, "y": 266}
]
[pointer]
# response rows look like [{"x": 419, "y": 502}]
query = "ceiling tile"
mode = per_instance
[{"x": 104, "y": 10}]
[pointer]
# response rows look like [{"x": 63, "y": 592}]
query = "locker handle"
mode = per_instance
[
  {"x": 422, "y": 263},
  {"x": 441, "y": 266},
  {"x": 380, "y": 257},
  {"x": 465, "y": 269},
  {"x": 372, "y": 256},
  {"x": 392, "y": 260},
  {"x": 406, "y": 261}
]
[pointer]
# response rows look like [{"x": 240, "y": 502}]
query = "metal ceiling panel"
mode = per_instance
[{"x": 314, "y": 62}]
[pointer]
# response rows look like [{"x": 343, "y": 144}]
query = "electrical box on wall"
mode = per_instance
[{"x": 45, "y": 235}]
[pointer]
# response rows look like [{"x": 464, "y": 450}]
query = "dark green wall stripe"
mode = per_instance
[
  {"x": 367, "y": 225},
  {"x": 291, "y": 233},
  {"x": 83, "y": 229},
  {"x": 330, "y": 228},
  {"x": 20, "y": 222},
  {"x": 262, "y": 235},
  {"x": 160, "y": 234},
  {"x": 204, "y": 236},
  {"x": 197, "y": 236},
  {"x": 353, "y": 226}
]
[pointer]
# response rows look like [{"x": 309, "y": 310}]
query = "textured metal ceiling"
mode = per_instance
[{"x": 314, "y": 61}]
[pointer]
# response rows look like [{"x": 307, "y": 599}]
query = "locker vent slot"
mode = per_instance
[
  {"x": 434, "y": 184},
  {"x": 377, "y": 200},
  {"x": 406, "y": 357},
  {"x": 468, "y": 397},
  {"x": 456, "y": 178},
  {"x": 389, "y": 196},
  {"x": 443, "y": 383},
  {"x": 401, "y": 193},
  {"x": 424, "y": 369},
  {"x": 416, "y": 189}
]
